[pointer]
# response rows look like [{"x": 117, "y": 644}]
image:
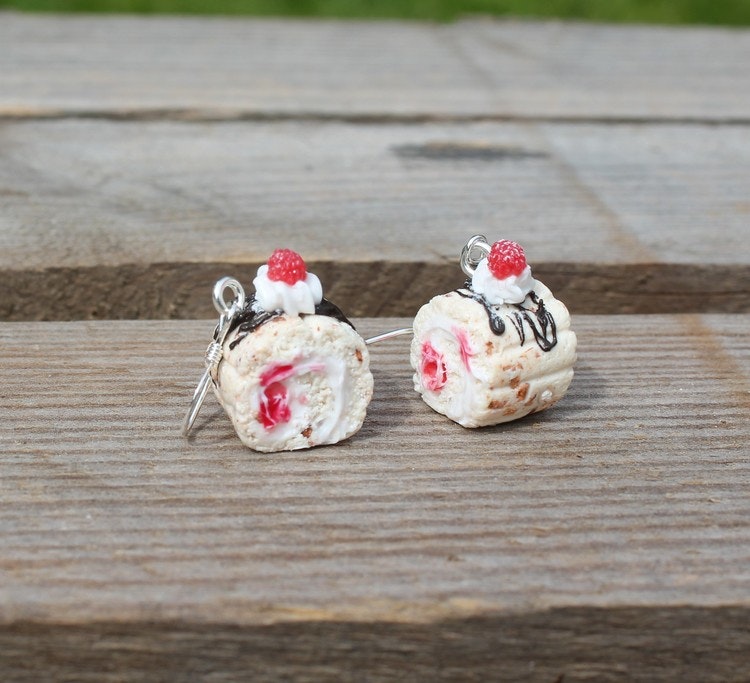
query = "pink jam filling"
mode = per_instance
[
  {"x": 274, "y": 406},
  {"x": 464, "y": 345},
  {"x": 274, "y": 401},
  {"x": 276, "y": 373},
  {"x": 434, "y": 374}
]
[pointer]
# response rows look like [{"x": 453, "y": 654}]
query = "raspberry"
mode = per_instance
[
  {"x": 286, "y": 265},
  {"x": 274, "y": 406},
  {"x": 434, "y": 373},
  {"x": 505, "y": 259}
]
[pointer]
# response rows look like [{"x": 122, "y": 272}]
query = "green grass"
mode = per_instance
[{"x": 725, "y": 12}]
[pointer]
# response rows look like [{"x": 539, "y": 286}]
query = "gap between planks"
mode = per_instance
[
  {"x": 684, "y": 644},
  {"x": 374, "y": 118},
  {"x": 369, "y": 288}
]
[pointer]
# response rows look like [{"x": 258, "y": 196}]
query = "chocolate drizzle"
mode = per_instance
[
  {"x": 540, "y": 322},
  {"x": 253, "y": 316},
  {"x": 539, "y": 319},
  {"x": 496, "y": 322}
]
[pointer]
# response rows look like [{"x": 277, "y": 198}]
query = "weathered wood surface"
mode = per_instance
[
  {"x": 235, "y": 68},
  {"x": 138, "y": 219},
  {"x": 197, "y": 170},
  {"x": 140, "y": 159},
  {"x": 607, "y": 539}
]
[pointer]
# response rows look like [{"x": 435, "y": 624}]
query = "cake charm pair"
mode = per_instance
[{"x": 291, "y": 371}]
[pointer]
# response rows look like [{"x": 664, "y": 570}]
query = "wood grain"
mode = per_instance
[
  {"x": 138, "y": 219},
  {"x": 607, "y": 539},
  {"x": 215, "y": 68}
]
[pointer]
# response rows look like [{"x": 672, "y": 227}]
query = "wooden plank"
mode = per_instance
[
  {"x": 213, "y": 67},
  {"x": 608, "y": 538},
  {"x": 138, "y": 219},
  {"x": 590, "y": 70}
]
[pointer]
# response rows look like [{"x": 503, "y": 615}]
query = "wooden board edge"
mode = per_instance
[{"x": 656, "y": 643}]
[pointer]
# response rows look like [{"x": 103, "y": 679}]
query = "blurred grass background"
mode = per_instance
[{"x": 722, "y": 12}]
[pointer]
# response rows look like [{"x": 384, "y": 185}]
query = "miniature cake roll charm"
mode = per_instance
[
  {"x": 496, "y": 349},
  {"x": 292, "y": 372}
]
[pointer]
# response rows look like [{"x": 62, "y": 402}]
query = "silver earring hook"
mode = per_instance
[
  {"x": 227, "y": 313},
  {"x": 473, "y": 252},
  {"x": 388, "y": 335}
]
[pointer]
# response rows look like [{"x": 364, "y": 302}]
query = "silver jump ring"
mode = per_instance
[
  {"x": 473, "y": 252},
  {"x": 237, "y": 303}
]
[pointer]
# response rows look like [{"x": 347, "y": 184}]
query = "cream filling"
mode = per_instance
[
  {"x": 511, "y": 290},
  {"x": 445, "y": 335},
  {"x": 330, "y": 424}
]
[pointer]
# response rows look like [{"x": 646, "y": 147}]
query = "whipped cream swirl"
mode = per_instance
[
  {"x": 510, "y": 290},
  {"x": 301, "y": 297}
]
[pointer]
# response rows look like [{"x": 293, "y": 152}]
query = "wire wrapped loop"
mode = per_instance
[{"x": 214, "y": 353}]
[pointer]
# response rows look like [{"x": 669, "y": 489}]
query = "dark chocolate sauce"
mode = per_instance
[
  {"x": 540, "y": 322},
  {"x": 252, "y": 317},
  {"x": 496, "y": 322},
  {"x": 539, "y": 319}
]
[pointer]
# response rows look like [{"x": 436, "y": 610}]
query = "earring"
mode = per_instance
[
  {"x": 286, "y": 364},
  {"x": 496, "y": 349}
]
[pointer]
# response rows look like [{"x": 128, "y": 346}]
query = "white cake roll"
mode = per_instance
[
  {"x": 293, "y": 380},
  {"x": 482, "y": 363}
]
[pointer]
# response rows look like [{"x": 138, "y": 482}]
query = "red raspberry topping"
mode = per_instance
[
  {"x": 286, "y": 265},
  {"x": 505, "y": 259}
]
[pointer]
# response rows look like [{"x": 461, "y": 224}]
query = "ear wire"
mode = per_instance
[{"x": 388, "y": 335}]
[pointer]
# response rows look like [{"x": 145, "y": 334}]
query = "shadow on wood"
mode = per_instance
[
  {"x": 364, "y": 289},
  {"x": 649, "y": 644}
]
